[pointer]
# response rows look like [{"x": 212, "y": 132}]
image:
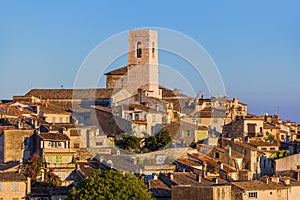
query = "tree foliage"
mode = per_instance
[
  {"x": 152, "y": 143},
  {"x": 269, "y": 137},
  {"x": 110, "y": 185},
  {"x": 33, "y": 167}
]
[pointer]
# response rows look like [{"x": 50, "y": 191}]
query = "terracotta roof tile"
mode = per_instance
[
  {"x": 96, "y": 93},
  {"x": 120, "y": 71},
  {"x": 11, "y": 176},
  {"x": 54, "y": 136}
]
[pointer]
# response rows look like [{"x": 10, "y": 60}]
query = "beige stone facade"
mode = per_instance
[{"x": 14, "y": 145}]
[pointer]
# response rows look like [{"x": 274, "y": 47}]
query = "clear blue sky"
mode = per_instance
[{"x": 255, "y": 44}]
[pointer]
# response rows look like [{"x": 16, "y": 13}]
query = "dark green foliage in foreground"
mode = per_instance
[{"x": 110, "y": 185}]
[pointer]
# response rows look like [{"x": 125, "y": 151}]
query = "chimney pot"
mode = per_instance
[
  {"x": 155, "y": 177},
  {"x": 199, "y": 178}
]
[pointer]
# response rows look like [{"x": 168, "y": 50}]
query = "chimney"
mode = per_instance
[
  {"x": 155, "y": 177},
  {"x": 298, "y": 175},
  {"x": 134, "y": 160},
  {"x": 265, "y": 179},
  {"x": 101, "y": 158},
  {"x": 220, "y": 165},
  {"x": 275, "y": 179},
  {"x": 215, "y": 180},
  {"x": 199, "y": 178},
  {"x": 229, "y": 150},
  {"x": 287, "y": 181},
  {"x": 28, "y": 185}
]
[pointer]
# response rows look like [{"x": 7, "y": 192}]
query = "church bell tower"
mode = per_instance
[{"x": 143, "y": 60}]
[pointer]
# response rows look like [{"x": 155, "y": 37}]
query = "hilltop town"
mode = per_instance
[{"x": 209, "y": 147}]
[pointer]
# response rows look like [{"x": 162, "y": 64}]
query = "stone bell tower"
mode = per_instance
[{"x": 143, "y": 61}]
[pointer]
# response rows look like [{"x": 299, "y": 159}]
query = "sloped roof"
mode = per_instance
[
  {"x": 120, "y": 71},
  {"x": 258, "y": 185},
  {"x": 95, "y": 93},
  {"x": 11, "y": 176},
  {"x": 54, "y": 136}
]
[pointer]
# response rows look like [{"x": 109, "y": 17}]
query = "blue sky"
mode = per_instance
[{"x": 255, "y": 44}]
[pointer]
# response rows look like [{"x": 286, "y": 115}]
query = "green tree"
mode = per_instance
[
  {"x": 111, "y": 184},
  {"x": 128, "y": 142},
  {"x": 158, "y": 141}
]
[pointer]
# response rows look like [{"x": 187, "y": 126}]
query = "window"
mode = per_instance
[
  {"x": 60, "y": 120},
  {"x": 99, "y": 143},
  {"x": 188, "y": 133},
  {"x": 76, "y": 145},
  {"x": 58, "y": 159},
  {"x": 136, "y": 117},
  {"x": 217, "y": 155},
  {"x": 67, "y": 119},
  {"x": 15, "y": 198},
  {"x": 1, "y": 187},
  {"x": 215, "y": 120},
  {"x": 49, "y": 159},
  {"x": 252, "y": 195},
  {"x": 264, "y": 149},
  {"x": 26, "y": 143},
  {"x": 15, "y": 187},
  {"x": 153, "y": 118},
  {"x": 139, "y": 50},
  {"x": 153, "y": 50},
  {"x": 272, "y": 148},
  {"x": 251, "y": 130},
  {"x": 53, "y": 119},
  {"x": 75, "y": 132}
]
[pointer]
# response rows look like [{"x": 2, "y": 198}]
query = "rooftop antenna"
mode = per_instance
[
  {"x": 30, "y": 84},
  {"x": 277, "y": 110}
]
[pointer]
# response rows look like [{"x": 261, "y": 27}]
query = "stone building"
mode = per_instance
[
  {"x": 14, "y": 186},
  {"x": 245, "y": 127},
  {"x": 56, "y": 153},
  {"x": 187, "y": 185},
  {"x": 15, "y": 145}
]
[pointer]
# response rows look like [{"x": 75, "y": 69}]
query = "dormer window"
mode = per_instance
[{"x": 139, "y": 50}]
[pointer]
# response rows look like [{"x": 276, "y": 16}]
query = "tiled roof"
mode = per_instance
[
  {"x": 258, "y": 143},
  {"x": 11, "y": 176},
  {"x": 159, "y": 189},
  {"x": 102, "y": 108},
  {"x": 270, "y": 126},
  {"x": 52, "y": 109},
  {"x": 258, "y": 185},
  {"x": 120, "y": 71},
  {"x": 254, "y": 117},
  {"x": 54, "y": 136},
  {"x": 211, "y": 113},
  {"x": 212, "y": 162},
  {"x": 50, "y": 191},
  {"x": 96, "y": 93},
  {"x": 188, "y": 178},
  {"x": 188, "y": 162},
  {"x": 170, "y": 93}
]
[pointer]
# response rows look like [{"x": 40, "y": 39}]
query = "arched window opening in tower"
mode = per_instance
[
  {"x": 153, "y": 50},
  {"x": 139, "y": 50}
]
